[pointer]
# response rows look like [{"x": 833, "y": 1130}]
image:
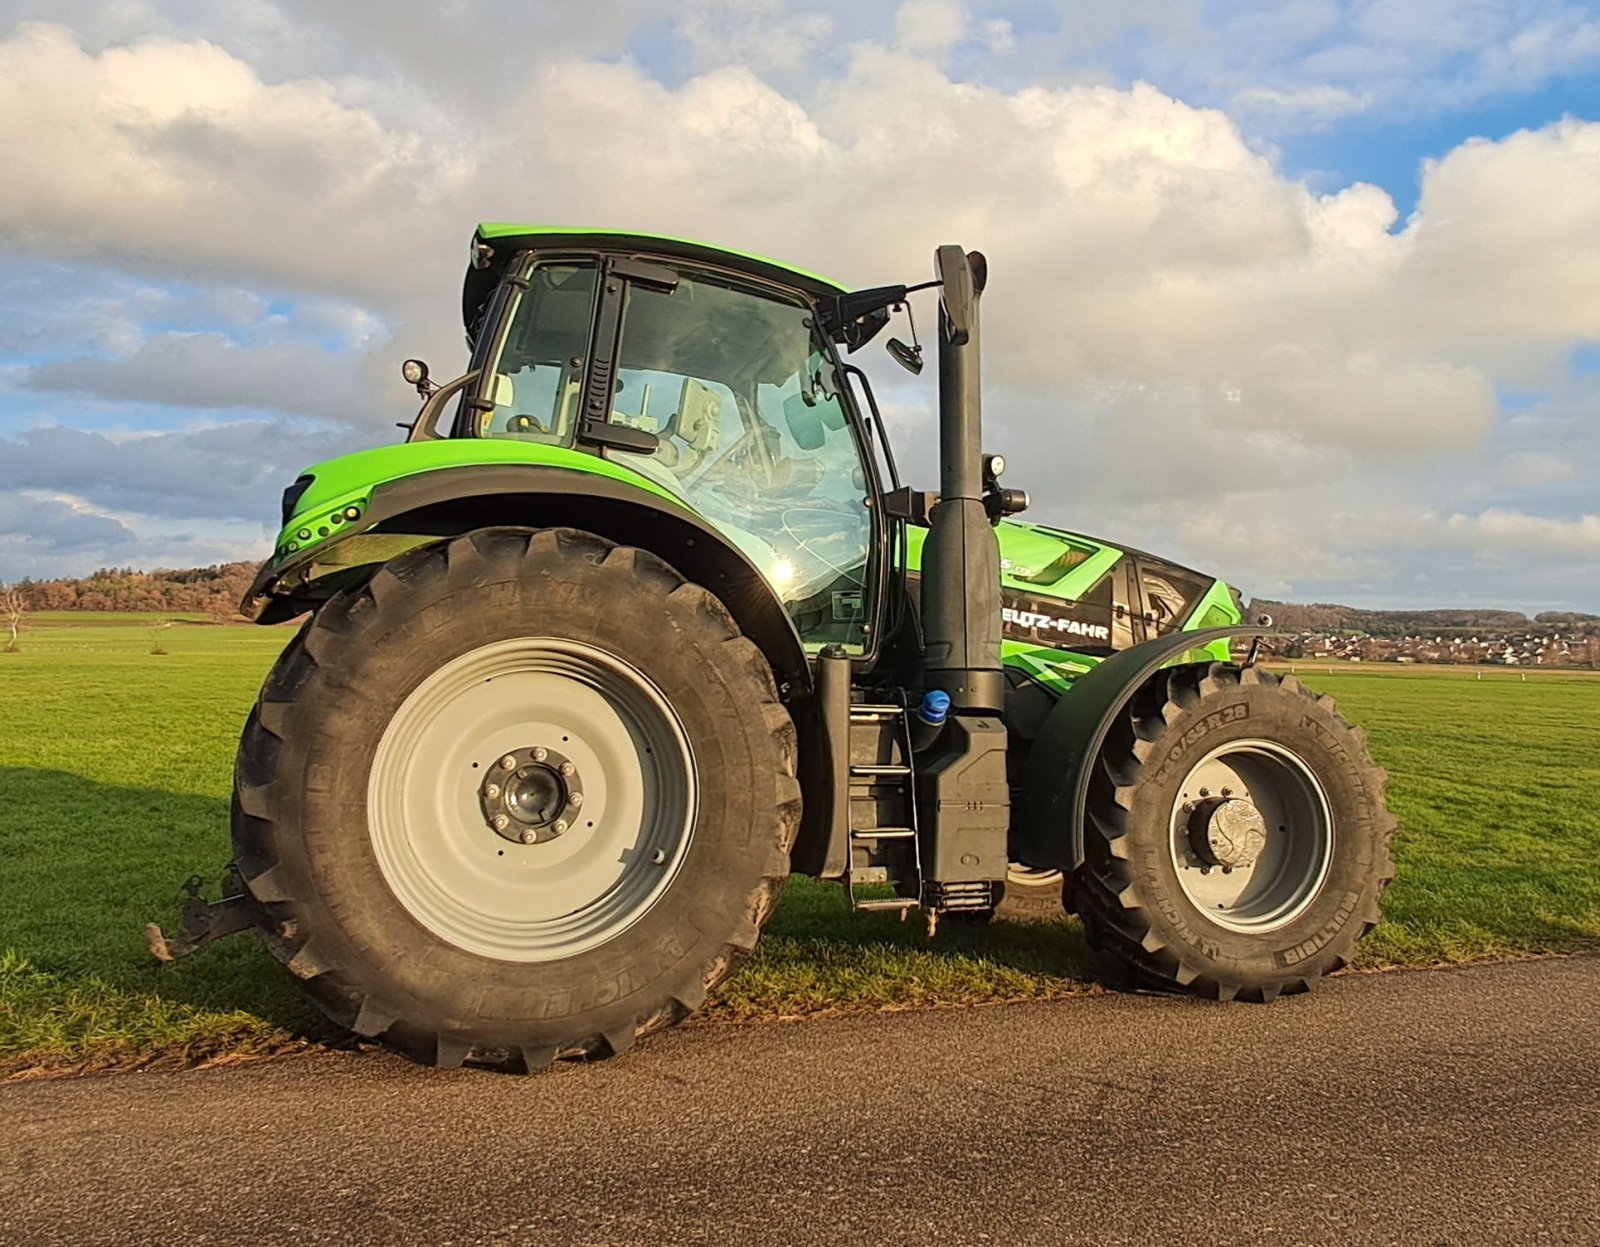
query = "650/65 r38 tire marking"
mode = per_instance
[{"x": 416, "y": 785}]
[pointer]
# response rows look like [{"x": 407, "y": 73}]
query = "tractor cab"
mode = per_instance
[{"x": 710, "y": 375}]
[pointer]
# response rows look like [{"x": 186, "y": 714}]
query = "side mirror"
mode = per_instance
[{"x": 908, "y": 357}]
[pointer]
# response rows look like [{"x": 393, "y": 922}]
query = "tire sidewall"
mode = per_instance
[
  {"x": 1315, "y": 939},
  {"x": 361, "y": 927},
  {"x": 1032, "y": 900}
]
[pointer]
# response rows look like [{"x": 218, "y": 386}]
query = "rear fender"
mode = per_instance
[
  {"x": 449, "y": 501},
  {"x": 1047, "y": 829}
]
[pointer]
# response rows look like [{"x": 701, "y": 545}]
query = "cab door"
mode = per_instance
[{"x": 737, "y": 403}]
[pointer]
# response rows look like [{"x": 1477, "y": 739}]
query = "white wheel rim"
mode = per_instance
[
  {"x": 1287, "y": 875},
  {"x": 484, "y": 892}
]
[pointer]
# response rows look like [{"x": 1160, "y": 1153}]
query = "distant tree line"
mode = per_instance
[
  {"x": 1328, "y": 617},
  {"x": 216, "y": 591},
  {"x": 1567, "y": 619},
  {"x": 213, "y": 591}
]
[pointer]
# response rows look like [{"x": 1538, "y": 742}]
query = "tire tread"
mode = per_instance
[
  {"x": 1115, "y": 916},
  {"x": 309, "y": 665}
]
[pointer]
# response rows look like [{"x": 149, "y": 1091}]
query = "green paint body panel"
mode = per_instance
[
  {"x": 1030, "y": 554},
  {"x": 348, "y": 482},
  {"x": 1031, "y": 559},
  {"x": 1216, "y": 610}
]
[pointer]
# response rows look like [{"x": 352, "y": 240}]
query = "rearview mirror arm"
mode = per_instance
[{"x": 422, "y": 428}]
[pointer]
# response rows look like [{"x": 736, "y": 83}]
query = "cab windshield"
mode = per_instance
[{"x": 746, "y": 401}]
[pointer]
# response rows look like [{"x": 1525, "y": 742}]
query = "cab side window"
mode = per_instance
[{"x": 535, "y": 379}]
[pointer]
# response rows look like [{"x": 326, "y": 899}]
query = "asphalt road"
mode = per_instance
[{"x": 1456, "y": 1106}]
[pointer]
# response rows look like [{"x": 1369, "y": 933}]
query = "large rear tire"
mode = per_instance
[
  {"x": 1236, "y": 840},
  {"x": 523, "y": 795}
]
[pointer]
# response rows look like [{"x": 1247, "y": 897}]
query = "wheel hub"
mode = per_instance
[
  {"x": 1228, "y": 832},
  {"x": 531, "y": 795}
]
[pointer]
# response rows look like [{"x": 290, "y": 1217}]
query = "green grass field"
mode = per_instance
[{"x": 114, "y": 777}]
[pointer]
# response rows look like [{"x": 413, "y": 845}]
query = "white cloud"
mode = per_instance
[
  {"x": 1533, "y": 468},
  {"x": 758, "y": 34},
  {"x": 206, "y": 473},
  {"x": 44, "y": 535},
  {"x": 1510, "y": 532},
  {"x": 213, "y": 371},
  {"x": 1299, "y": 106},
  {"x": 930, "y": 27},
  {"x": 39, "y": 535},
  {"x": 1564, "y": 43},
  {"x": 177, "y": 159},
  {"x": 998, "y": 37},
  {"x": 1171, "y": 324}
]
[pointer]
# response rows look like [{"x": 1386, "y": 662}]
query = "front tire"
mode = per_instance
[
  {"x": 1236, "y": 839},
  {"x": 1031, "y": 895},
  {"x": 526, "y": 794}
]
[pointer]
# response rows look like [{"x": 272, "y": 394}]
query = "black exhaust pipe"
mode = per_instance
[{"x": 961, "y": 558}]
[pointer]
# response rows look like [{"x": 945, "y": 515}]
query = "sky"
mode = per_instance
[{"x": 1305, "y": 294}]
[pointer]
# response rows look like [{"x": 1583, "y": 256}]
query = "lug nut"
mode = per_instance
[
  {"x": 509, "y": 762},
  {"x": 1227, "y": 792},
  {"x": 501, "y": 822},
  {"x": 530, "y": 836},
  {"x": 575, "y": 800},
  {"x": 560, "y": 826},
  {"x": 491, "y": 791},
  {"x": 540, "y": 753},
  {"x": 567, "y": 768}
]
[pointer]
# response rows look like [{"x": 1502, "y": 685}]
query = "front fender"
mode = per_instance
[
  {"x": 386, "y": 516},
  {"x": 1047, "y": 828}
]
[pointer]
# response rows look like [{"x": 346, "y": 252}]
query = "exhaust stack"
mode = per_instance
[{"x": 961, "y": 559}]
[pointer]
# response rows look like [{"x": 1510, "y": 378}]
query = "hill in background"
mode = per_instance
[
  {"x": 1328, "y": 617},
  {"x": 214, "y": 591}
]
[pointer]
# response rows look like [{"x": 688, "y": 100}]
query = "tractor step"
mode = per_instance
[
  {"x": 882, "y": 842},
  {"x": 964, "y": 896},
  {"x": 900, "y": 904}
]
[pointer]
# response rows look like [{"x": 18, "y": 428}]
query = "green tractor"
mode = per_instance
[{"x": 639, "y": 620}]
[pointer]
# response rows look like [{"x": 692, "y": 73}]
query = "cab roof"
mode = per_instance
[{"x": 503, "y": 240}]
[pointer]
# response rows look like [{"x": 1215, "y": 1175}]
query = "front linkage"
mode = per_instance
[{"x": 201, "y": 921}]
